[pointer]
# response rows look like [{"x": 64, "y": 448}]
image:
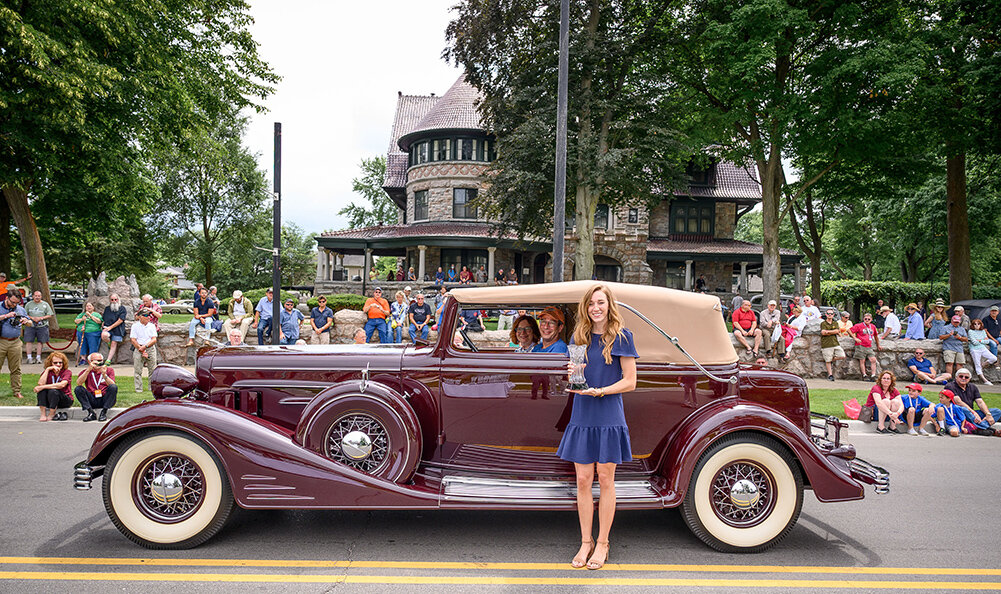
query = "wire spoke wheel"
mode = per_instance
[
  {"x": 360, "y": 441},
  {"x": 742, "y": 494},
  {"x": 169, "y": 488}
]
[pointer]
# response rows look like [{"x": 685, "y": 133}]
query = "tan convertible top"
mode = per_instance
[{"x": 695, "y": 319}]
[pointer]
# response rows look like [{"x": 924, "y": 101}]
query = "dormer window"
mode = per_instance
[{"x": 700, "y": 175}]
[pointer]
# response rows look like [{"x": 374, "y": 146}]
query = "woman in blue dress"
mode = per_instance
[{"x": 597, "y": 432}]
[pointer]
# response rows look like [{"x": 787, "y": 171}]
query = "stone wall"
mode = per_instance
[
  {"x": 808, "y": 360},
  {"x": 439, "y": 179},
  {"x": 726, "y": 220}
]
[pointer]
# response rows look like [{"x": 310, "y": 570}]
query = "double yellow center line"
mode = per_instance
[{"x": 898, "y": 577}]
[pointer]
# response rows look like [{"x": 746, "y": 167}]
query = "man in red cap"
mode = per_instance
[{"x": 914, "y": 405}]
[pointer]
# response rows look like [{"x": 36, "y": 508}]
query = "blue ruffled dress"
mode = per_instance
[{"x": 597, "y": 431}]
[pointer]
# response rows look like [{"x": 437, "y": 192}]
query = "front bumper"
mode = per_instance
[
  {"x": 827, "y": 437},
  {"x": 84, "y": 474}
]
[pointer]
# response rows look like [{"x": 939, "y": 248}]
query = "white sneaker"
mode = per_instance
[
  {"x": 988, "y": 382},
  {"x": 923, "y": 432},
  {"x": 911, "y": 431},
  {"x": 30, "y": 361}
]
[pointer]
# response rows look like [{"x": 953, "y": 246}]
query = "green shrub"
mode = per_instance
[
  {"x": 864, "y": 294},
  {"x": 339, "y": 301}
]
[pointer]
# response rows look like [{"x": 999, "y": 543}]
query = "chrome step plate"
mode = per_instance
[{"x": 466, "y": 488}]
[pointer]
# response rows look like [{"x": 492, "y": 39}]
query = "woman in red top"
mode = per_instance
[
  {"x": 53, "y": 388},
  {"x": 885, "y": 397}
]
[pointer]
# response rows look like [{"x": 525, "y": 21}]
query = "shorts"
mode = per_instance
[
  {"x": 36, "y": 334},
  {"x": 918, "y": 413},
  {"x": 116, "y": 338},
  {"x": 831, "y": 352},
  {"x": 862, "y": 352},
  {"x": 954, "y": 357}
]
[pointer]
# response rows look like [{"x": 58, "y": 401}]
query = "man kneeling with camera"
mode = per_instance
[{"x": 96, "y": 388}]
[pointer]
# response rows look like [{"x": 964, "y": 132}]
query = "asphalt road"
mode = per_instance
[{"x": 935, "y": 531}]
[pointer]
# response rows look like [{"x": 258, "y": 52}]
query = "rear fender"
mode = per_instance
[
  {"x": 698, "y": 433},
  {"x": 265, "y": 467}
]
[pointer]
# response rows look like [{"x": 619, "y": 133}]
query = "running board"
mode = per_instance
[{"x": 525, "y": 492}]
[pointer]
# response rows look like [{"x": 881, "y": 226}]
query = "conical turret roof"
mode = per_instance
[{"x": 455, "y": 110}]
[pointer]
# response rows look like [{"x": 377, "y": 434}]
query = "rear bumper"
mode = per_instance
[
  {"x": 84, "y": 474},
  {"x": 827, "y": 437}
]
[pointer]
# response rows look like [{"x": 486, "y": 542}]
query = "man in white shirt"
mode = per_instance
[
  {"x": 891, "y": 324},
  {"x": 810, "y": 310},
  {"x": 143, "y": 336},
  {"x": 239, "y": 314}
]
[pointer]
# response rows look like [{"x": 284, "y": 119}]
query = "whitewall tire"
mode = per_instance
[
  {"x": 745, "y": 495},
  {"x": 166, "y": 490}
]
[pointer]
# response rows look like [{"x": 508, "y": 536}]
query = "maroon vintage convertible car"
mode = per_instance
[{"x": 469, "y": 426}]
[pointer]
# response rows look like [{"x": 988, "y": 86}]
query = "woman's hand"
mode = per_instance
[{"x": 597, "y": 392}]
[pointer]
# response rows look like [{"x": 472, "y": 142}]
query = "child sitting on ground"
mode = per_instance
[
  {"x": 950, "y": 417},
  {"x": 917, "y": 406}
]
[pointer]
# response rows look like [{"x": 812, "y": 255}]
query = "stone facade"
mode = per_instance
[
  {"x": 726, "y": 220},
  {"x": 439, "y": 179}
]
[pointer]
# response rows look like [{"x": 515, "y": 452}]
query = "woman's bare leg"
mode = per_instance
[
  {"x": 606, "y": 512},
  {"x": 585, "y": 511}
]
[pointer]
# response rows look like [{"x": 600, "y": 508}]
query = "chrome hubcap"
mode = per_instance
[
  {"x": 169, "y": 488},
  {"x": 356, "y": 445},
  {"x": 742, "y": 494},
  {"x": 359, "y": 441}
]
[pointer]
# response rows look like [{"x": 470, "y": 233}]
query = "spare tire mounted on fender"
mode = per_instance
[{"x": 375, "y": 432}]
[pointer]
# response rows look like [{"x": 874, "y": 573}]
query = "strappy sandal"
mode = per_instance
[
  {"x": 592, "y": 564},
  {"x": 578, "y": 562}
]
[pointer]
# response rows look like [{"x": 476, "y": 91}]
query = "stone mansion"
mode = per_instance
[{"x": 438, "y": 154}]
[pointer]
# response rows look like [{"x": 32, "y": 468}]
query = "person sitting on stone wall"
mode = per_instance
[
  {"x": 845, "y": 325},
  {"x": 770, "y": 322},
  {"x": 439, "y": 277},
  {"x": 745, "y": 325},
  {"x": 810, "y": 310},
  {"x": 203, "y": 310},
  {"x": 915, "y": 323},
  {"x": 960, "y": 311},
  {"x": 891, "y": 324},
  {"x": 481, "y": 274},
  {"x": 239, "y": 314},
  {"x": 923, "y": 369}
]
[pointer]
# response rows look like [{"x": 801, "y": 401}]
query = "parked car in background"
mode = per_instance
[
  {"x": 462, "y": 424},
  {"x": 66, "y": 301},
  {"x": 181, "y": 306},
  {"x": 758, "y": 302},
  {"x": 975, "y": 308}
]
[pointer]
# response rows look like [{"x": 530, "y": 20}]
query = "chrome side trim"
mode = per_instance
[
  {"x": 464, "y": 488},
  {"x": 295, "y": 401},
  {"x": 674, "y": 340},
  {"x": 251, "y": 384}
]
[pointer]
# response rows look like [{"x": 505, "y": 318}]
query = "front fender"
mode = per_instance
[
  {"x": 829, "y": 482},
  {"x": 266, "y": 468}
]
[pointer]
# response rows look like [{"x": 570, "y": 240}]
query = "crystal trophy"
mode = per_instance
[{"x": 578, "y": 354}]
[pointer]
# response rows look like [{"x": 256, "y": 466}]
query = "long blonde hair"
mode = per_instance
[{"x": 613, "y": 325}]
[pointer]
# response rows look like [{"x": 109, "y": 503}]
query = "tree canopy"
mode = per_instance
[{"x": 381, "y": 210}]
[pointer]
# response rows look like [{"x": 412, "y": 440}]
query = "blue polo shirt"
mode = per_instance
[
  {"x": 557, "y": 347},
  {"x": 915, "y": 327},
  {"x": 290, "y": 323},
  {"x": 264, "y": 308},
  {"x": 320, "y": 317},
  {"x": 924, "y": 366},
  {"x": 11, "y": 327}
]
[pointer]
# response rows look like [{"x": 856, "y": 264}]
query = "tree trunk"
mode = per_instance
[
  {"x": 957, "y": 217},
  {"x": 584, "y": 205},
  {"x": 771, "y": 192},
  {"x": 5, "y": 238},
  {"x": 17, "y": 202}
]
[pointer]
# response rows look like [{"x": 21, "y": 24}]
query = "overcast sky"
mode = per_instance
[{"x": 342, "y": 64}]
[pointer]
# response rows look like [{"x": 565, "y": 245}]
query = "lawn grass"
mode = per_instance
[
  {"x": 829, "y": 402},
  {"x": 126, "y": 391}
]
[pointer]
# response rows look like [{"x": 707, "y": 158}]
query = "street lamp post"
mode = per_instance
[
  {"x": 560, "y": 188},
  {"x": 276, "y": 241}
]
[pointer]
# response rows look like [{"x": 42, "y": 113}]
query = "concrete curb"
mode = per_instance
[{"x": 9, "y": 413}]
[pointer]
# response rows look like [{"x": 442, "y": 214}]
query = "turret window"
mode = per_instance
[
  {"x": 421, "y": 205},
  {"x": 452, "y": 149},
  {"x": 462, "y": 203}
]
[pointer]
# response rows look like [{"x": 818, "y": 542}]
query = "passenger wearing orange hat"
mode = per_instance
[
  {"x": 915, "y": 324},
  {"x": 551, "y": 322},
  {"x": 915, "y": 404}
]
